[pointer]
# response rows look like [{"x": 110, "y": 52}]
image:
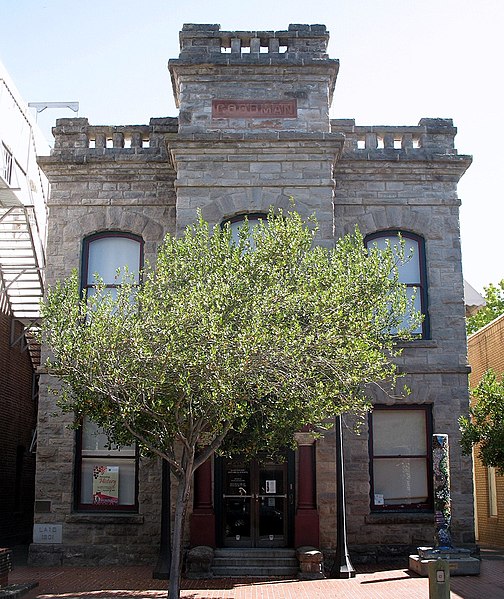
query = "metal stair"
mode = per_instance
[
  {"x": 21, "y": 274},
  {"x": 258, "y": 563}
]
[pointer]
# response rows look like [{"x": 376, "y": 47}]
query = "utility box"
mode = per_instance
[{"x": 439, "y": 579}]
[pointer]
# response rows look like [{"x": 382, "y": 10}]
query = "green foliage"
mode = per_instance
[
  {"x": 485, "y": 425},
  {"x": 219, "y": 336},
  {"x": 494, "y": 307},
  {"x": 243, "y": 343}
]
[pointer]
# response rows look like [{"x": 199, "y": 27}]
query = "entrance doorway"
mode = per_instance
[{"x": 256, "y": 497}]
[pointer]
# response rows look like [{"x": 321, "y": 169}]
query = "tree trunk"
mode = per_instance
[{"x": 184, "y": 487}]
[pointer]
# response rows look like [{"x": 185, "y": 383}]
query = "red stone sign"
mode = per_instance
[{"x": 254, "y": 109}]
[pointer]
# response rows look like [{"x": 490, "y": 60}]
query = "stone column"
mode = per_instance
[
  {"x": 307, "y": 518},
  {"x": 442, "y": 499},
  {"x": 202, "y": 521}
]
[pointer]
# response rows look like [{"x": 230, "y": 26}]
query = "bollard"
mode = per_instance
[{"x": 439, "y": 579}]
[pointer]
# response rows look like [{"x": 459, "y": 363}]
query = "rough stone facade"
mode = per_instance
[{"x": 278, "y": 143}]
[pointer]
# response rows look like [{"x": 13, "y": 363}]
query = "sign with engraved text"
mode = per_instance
[{"x": 254, "y": 109}]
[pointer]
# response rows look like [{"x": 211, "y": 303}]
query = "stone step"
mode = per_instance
[
  {"x": 254, "y": 572},
  {"x": 229, "y": 563},
  {"x": 273, "y": 552},
  {"x": 259, "y": 562}
]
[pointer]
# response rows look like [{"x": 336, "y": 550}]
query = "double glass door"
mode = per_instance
[{"x": 254, "y": 503}]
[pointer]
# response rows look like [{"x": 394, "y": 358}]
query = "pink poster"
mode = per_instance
[{"x": 106, "y": 485}]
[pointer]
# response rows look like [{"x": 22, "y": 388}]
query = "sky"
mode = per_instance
[{"x": 400, "y": 61}]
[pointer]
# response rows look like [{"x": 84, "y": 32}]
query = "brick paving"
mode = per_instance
[{"x": 370, "y": 583}]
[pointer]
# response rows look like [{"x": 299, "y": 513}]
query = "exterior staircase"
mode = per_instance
[{"x": 260, "y": 563}]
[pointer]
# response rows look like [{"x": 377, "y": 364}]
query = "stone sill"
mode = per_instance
[
  {"x": 400, "y": 518},
  {"x": 428, "y": 343},
  {"x": 104, "y": 518}
]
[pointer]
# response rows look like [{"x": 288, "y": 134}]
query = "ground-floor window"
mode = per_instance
[
  {"x": 400, "y": 458},
  {"x": 492, "y": 491},
  {"x": 106, "y": 474}
]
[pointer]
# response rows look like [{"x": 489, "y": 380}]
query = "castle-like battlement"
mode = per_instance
[
  {"x": 298, "y": 41},
  {"x": 78, "y": 136},
  {"x": 432, "y": 135}
]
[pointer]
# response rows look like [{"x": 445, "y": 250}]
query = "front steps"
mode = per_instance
[{"x": 238, "y": 562}]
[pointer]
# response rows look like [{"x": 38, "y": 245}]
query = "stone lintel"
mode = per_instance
[{"x": 434, "y": 369}]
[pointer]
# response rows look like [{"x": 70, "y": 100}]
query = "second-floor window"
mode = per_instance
[
  {"x": 412, "y": 271},
  {"x": 107, "y": 254}
]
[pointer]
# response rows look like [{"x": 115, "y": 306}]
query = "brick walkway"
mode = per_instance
[{"x": 136, "y": 581}]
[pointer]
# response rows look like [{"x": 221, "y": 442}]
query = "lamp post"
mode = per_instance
[
  {"x": 342, "y": 566},
  {"x": 162, "y": 569}
]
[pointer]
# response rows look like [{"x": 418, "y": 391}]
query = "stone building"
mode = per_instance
[
  {"x": 23, "y": 193},
  {"x": 253, "y": 130},
  {"x": 486, "y": 350}
]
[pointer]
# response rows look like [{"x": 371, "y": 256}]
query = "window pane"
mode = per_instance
[
  {"x": 409, "y": 271},
  {"x": 253, "y": 220},
  {"x": 492, "y": 492},
  {"x": 399, "y": 432},
  {"x": 95, "y": 491},
  {"x": 400, "y": 481},
  {"x": 107, "y": 254},
  {"x": 417, "y": 307},
  {"x": 95, "y": 442}
]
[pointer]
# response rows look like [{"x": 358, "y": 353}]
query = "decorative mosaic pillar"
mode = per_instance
[{"x": 442, "y": 501}]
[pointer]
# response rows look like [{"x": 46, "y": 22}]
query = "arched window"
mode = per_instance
[
  {"x": 412, "y": 272},
  {"x": 106, "y": 253},
  {"x": 238, "y": 221},
  {"x": 106, "y": 475}
]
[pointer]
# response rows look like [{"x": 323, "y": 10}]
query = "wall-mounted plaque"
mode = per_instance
[
  {"x": 47, "y": 533},
  {"x": 254, "y": 109}
]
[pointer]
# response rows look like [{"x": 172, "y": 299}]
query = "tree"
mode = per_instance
[
  {"x": 265, "y": 335},
  {"x": 485, "y": 425},
  {"x": 494, "y": 307}
]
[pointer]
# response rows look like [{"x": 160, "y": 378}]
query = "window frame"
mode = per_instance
[
  {"x": 428, "y": 505},
  {"x": 86, "y": 243},
  {"x": 240, "y": 218},
  {"x": 7, "y": 164},
  {"x": 493, "y": 509},
  {"x": 421, "y": 286},
  {"x": 79, "y": 505}
]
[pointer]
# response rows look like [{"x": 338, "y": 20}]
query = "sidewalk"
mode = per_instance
[{"x": 371, "y": 582}]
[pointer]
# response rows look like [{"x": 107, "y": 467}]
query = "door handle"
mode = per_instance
[{"x": 237, "y": 496}]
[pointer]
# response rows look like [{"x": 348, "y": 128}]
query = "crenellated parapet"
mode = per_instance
[
  {"x": 76, "y": 137},
  {"x": 298, "y": 42},
  {"x": 431, "y": 135},
  {"x": 253, "y": 80}
]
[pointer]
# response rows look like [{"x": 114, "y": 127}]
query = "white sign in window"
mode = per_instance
[{"x": 271, "y": 486}]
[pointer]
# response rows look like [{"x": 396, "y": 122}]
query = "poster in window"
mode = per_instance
[{"x": 106, "y": 485}]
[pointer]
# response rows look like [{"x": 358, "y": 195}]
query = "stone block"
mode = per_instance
[
  {"x": 310, "y": 563},
  {"x": 459, "y": 565},
  {"x": 199, "y": 562}
]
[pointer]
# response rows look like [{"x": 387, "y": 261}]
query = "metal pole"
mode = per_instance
[
  {"x": 162, "y": 569},
  {"x": 342, "y": 567}
]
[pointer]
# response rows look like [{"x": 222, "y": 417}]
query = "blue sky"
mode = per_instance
[{"x": 401, "y": 60}]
